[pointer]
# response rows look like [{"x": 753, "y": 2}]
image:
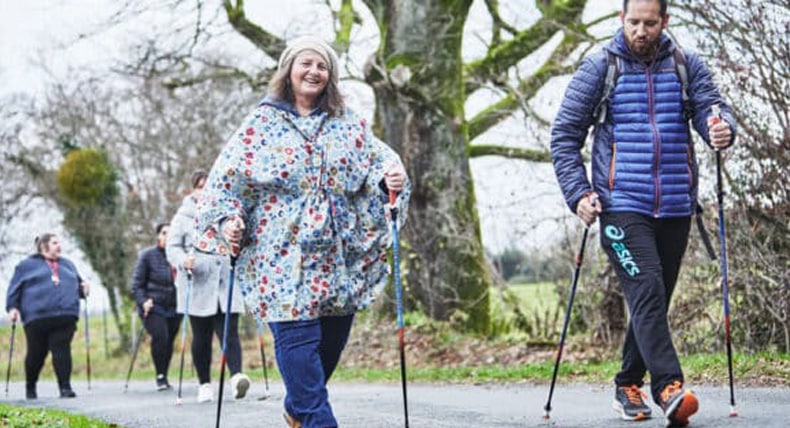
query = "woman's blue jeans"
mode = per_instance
[{"x": 307, "y": 353}]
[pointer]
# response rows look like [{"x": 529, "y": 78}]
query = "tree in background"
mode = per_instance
[
  {"x": 747, "y": 44},
  {"x": 88, "y": 195},
  {"x": 421, "y": 86},
  {"x": 173, "y": 101},
  {"x": 156, "y": 127},
  {"x": 16, "y": 196},
  {"x": 114, "y": 159}
]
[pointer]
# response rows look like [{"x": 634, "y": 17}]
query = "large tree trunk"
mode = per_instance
[{"x": 420, "y": 112}]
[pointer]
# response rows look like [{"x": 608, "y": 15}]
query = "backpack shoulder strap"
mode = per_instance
[
  {"x": 703, "y": 233},
  {"x": 612, "y": 70},
  {"x": 682, "y": 72}
]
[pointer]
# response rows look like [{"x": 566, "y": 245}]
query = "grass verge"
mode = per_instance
[
  {"x": 24, "y": 417},
  {"x": 764, "y": 369}
]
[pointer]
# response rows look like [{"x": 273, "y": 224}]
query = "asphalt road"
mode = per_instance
[{"x": 363, "y": 405}]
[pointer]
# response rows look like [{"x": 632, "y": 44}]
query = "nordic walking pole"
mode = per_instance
[
  {"x": 575, "y": 281},
  {"x": 716, "y": 114},
  {"x": 263, "y": 358},
  {"x": 134, "y": 355},
  {"x": 88, "y": 343},
  {"x": 399, "y": 302},
  {"x": 184, "y": 335},
  {"x": 225, "y": 329},
  {"x": 10, "y": 354}
]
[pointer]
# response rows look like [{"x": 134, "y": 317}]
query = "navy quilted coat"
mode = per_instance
[{"x": 642, "y": 156}]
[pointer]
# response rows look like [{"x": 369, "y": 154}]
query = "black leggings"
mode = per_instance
[
  {"x": 163, "y": 331},
  {"x": 202, "y": 328},
  {"x": 49, "y": 335}
]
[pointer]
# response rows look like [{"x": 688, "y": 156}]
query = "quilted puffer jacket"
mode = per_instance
[{"x": 643, "y": 157}]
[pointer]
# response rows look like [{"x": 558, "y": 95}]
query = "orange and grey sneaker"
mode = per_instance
[
  {"x": 292, "y": 423},
  {"x": 630, "y": 404},
  {"x": 678, "y": 404}
]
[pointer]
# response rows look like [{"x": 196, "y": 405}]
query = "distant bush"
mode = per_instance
[
  {"x": 86, "y": 177},
  {"x": 517, "y": 267}
]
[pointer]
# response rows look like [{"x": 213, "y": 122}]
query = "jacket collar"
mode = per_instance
[{"x": 285, "y": 105}]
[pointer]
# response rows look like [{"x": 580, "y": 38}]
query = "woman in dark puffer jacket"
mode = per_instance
[{"x": 155, "y": 293}]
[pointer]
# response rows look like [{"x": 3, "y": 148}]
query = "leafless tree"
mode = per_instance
[
  {"x": 16, "y": 196},
  {"x": 421, "y": 87},
  {"x": 154, "y": 136},
  {"x": 747, "y": 42}
]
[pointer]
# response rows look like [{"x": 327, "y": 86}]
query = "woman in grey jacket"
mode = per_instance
[{"x": 208, "y": 296}]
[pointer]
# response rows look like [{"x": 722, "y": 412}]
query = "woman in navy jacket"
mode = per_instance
[
  {"x": 44, "y": 292},
  {"x": 155, "y": 294}
]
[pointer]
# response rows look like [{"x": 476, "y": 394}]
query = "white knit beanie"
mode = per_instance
[{"x": 314, "y": 44}]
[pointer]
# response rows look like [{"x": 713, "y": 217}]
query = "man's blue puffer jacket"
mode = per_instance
[{"x": 642, "y": 156}]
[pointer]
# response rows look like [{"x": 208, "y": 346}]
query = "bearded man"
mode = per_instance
[{"x": 642, "y": 93}]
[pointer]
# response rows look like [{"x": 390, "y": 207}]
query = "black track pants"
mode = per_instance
[
  {"x": 646, "y": 254},
  {"x": 49, "y": 335}
]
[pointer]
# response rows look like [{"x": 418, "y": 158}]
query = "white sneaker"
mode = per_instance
[
  {"x": 205, "y": 393},
  {"x": 240, "y": 383}
]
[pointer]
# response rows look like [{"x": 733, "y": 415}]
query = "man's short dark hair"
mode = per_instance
[
  {"x": 662, "y": 3},
  {"x": 161, "y": 226}
]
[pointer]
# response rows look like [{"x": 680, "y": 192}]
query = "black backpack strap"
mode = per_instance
[
  {"x": 612, "y": 67},
  {"x": 682, "y": 72},
  {"x": 703, "y": 233}
]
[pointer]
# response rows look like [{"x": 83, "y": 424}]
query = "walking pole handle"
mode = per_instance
[
  {"x": 715, "y": 113},
  {"x": 190, "y": 253}
]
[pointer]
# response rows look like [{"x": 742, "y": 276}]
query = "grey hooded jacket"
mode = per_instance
[{"x": 210, "y": 274}]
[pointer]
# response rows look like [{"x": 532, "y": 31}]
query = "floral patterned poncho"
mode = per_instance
[{"x": 317, "y": 224}]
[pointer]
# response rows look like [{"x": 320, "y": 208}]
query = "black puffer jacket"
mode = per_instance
[{"x": 153, "y": 279}]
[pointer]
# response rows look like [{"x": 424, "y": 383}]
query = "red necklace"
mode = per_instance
[{"x": 53, "y": 266}]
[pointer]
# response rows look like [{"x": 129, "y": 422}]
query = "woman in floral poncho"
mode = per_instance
[{"x": 300, "y": 194}]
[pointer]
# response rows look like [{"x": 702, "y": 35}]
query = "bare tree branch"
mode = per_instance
[
  {"x": 478, "y": 150},
  {"x": 262, "y": 39},
  {"x": 527, "y": 88}
]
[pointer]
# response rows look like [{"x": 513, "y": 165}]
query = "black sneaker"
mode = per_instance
[
  {"x": 678, "y": 404},
  {"x": 629, "y": 403},
  {"x": 67, "y": 393},
  {"x": 30, "y": 393},
  {"x": 161, "y": 383}
]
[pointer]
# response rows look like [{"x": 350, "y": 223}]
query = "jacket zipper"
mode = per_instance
[
  {"x": 689, "y": 158},
  {"x": 612, "y": 165},
  {"x": 656, "y": 141}
]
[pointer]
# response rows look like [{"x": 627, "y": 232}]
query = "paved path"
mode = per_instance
[{"x": 363, "y": 405}]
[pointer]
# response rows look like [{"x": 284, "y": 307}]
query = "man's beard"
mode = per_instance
[{"x": 644, "y": 52}]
